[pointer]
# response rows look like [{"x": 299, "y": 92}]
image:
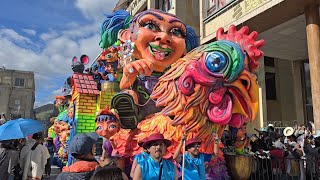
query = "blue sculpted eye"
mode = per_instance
[
  {"x": 112, "y": 126},
  {"x": 216, "y": 62}
]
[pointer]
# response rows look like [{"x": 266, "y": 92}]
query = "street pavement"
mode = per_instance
[{"x": 54, "y": 173}]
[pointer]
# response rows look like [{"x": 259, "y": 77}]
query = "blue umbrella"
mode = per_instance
[{"x": 19, "y": 128}]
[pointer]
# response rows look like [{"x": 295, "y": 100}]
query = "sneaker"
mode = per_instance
[{"x": 127, "y": 110}]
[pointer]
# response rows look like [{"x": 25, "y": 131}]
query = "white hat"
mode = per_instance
[
  {"x": 288, "y": 131},
  {"x": 270, "y": 125}
]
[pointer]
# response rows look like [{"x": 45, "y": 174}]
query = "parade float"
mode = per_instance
[{"x": 166, "y": 84}]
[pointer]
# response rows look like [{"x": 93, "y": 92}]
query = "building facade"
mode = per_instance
[
  {"x": 288, "y": 75},
  {"x": 17, "y": 93}
]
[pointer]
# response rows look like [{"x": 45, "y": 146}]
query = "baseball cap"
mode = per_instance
[{"x": 82, "y": 144}]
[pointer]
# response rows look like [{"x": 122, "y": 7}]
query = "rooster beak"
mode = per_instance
[{"x": 245, "y": 96}]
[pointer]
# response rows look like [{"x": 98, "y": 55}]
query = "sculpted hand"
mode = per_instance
[
  {"x": 138, "y": 67},
  {"x": 131, "y": 70}
]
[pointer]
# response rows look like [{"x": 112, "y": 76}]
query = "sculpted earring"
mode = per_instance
[{"x": 125, "y": 52}]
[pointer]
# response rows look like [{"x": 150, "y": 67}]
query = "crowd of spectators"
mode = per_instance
[{"x": 284, "y": 152}]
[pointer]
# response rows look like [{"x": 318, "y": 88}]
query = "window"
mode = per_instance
[
  {"x": 19, "y": 82},
  {"x": 164, "y": 5},
  {"x": 17, "y": 102},
  {"x": 307, "y": 93},
  {"x": 268, "y": 61},
  {"x": 271, "y": 90},
  {"x": 216, "y": 5}
]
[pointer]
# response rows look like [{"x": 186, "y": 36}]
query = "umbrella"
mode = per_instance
[{"x": 19, "y": 128}]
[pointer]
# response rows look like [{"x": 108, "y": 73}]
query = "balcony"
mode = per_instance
[
  {"x": 223, "y": 13},
  {"x": 136, "y": 6},
  {"x": 213, "y": 7}
]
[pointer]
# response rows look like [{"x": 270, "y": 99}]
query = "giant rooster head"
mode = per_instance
[{"x": 213, "y": 85}]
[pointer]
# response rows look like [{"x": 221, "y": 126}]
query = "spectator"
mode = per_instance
[
  {"x": 82, "y": 148},
  {"x": 194, "y": 161},
  {"x": 271, "y": 132},
  {"x": 139, "y": 157},
  {"x": 312, "y": 155},
  {"x": 109, "y": 173},
  {"x": 109, "y": 75},
  {"x": 254, "y": 146},
  {"x": 34, "y": 157},
  {"x": 312, "y": 151},
  {"x": 98, "y": 73},
  {"x": 9, "y": 158},
  {"x": 106, "y": 161},
  {"x": 301, "y": 132},
  {"x": 100, "y": 70},
  {"x": 155, "y": 167},
  {"x": 51, "y": 148},
  {"x": 277, "y": 155},
  {"x": 2, "y": 119}
]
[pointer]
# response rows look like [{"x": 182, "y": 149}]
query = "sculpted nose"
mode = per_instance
[{"x": 163, "y": 37}]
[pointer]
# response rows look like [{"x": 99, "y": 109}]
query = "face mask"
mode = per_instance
[{"x": 301, "y": 131}]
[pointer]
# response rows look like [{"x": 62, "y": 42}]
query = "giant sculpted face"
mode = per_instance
[{"x": 159, "y": 38}]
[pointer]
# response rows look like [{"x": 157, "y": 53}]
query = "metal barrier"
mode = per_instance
[{"x": 267, "y": 168}]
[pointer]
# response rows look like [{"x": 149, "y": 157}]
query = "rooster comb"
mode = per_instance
[{"x": 247, "y": 42}]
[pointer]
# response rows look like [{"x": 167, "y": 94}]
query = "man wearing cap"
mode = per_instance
[
  {"x": 82, "y": 148},
  {"x": 194, "y": 161},
  {"x": 33, "y": 157},
  {"x": 154, "y": 166}
]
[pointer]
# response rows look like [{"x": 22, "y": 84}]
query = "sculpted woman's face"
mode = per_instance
[{"x": 158, "y": 37}]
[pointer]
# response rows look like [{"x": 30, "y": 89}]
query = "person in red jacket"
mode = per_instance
[
  {"x": 82, "y": 148},
  {"x": 278, "y": 154}
]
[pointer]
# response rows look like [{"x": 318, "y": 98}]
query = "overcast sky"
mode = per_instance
[{"x": 43, "y": 36}]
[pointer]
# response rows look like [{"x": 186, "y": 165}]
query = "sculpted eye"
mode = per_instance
[
  {"x": 216, "y": 62},
  {"x": 112, "y": 126},
  {"x": 150, "y": 25},
  {"x": 177, "y": 32},
  {"x": 99, "y": 128}
]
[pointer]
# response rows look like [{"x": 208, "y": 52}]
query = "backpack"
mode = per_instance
[{"x": 17, "y": 172}]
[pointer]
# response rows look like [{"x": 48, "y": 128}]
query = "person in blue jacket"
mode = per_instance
[
  {"x": 194, "y": 168},
  {"x": 154, "y": 166}
]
